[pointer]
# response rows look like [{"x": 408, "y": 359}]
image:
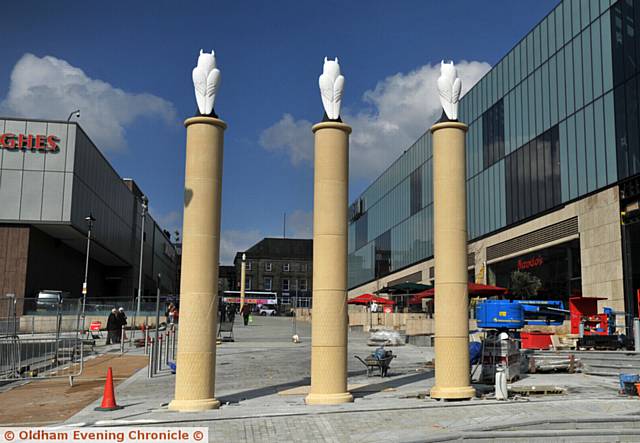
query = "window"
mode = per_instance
[
  {"x": 285, "y": 284},
  {"x": 268, "y": 266},
  {"x": 493, "y": 134},
  {"x": 415, "y": 193},
  {"x": 533, "y": 177},
  {"x": 248, "y": 266},
  {"x": 248, "y": 284},
  {"x": 361, "y": 231},
  {"x": 268, "y": 282},
  {"x": 303, "y": 284},
  {"x": 383, "y": 254},
  {"x": 286, "y": 267}
]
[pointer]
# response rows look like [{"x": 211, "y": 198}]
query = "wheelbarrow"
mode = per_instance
[{"x": 377, "y": 363}]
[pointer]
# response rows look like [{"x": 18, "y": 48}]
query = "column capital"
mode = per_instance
[
  {"x": 205, "y": 120},
  {"x": 331, "y": 125},
  {"x": 449, "y": 125}
]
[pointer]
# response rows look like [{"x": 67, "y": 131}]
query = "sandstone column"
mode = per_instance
[
  {"x": 195, "y": 377},
  {"x": 450, "y": 238},
  {"x": 329, "y": 314},
  {"x": 243, "y": 279}
]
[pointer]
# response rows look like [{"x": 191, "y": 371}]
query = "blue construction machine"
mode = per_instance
[{"x": 501, "y": 321}]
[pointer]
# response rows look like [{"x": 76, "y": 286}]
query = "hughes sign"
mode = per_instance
[{"x": 41, "y": 143}]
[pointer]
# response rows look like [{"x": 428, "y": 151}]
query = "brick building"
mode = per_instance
[{"x": 280, "y": 265}]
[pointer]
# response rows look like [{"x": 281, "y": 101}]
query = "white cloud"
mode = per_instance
[
  {"x": 233, "y": 241},
  {"x": 300, "y": 224},
  {"x": 50, "y": 88},
  {"x": 291, "y": 136},
  {"x": 396, "y": 112},
  {"x": 171, "y": 221}
]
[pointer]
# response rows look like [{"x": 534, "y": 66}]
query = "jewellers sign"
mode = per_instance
[
  {"x": 32, "y": 142},
  {"x": 534, "y": 262}
]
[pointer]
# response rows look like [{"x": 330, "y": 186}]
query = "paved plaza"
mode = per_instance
[{"x": 261, "y": 380}]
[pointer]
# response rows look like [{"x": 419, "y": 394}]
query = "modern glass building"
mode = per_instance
[
  {"x": 553, "y": 164},
  {"x": 52, "y": 176}
]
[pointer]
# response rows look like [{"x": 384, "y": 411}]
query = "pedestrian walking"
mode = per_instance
[
  {"x": 246, "y": 313},
  {"x": 113, "y": 327},
  {"x": 222, "y": 309},
  {"x": 231, "y": 312},
  {"x": 170, "y": 314},
  {"x": 122, "y": 319}
]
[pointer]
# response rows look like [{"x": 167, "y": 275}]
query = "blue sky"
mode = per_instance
[{"x": 128, "y": 65}]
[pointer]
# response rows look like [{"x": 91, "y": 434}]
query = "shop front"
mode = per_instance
[{"x": 552, "y": 273}]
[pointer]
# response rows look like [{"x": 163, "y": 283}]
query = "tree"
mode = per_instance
[{"x": 524, "y": 284}]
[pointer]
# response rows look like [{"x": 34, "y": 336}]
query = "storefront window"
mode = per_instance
[{"x": 556, "y": 267}]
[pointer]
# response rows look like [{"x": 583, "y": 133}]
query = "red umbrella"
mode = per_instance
[
  {"x": 473, "y": 288},
  {"x": 366, "y": 299}
]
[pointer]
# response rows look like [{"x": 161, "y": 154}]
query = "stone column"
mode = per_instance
[
  {"x": 452, "y": 380},
  {"x": 329, "y": 314},
  {"x": 196, "y": 360},
  {"x": 243, "y": 279}
]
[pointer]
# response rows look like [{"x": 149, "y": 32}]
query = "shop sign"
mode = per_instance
[
  {"x": 534, "y": 262},
  {"x": 33, "y": 142}
]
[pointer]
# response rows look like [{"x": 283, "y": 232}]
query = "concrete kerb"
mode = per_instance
[
  {"x": 219, "y": 415},
  {"x": 541, "y": 435}
]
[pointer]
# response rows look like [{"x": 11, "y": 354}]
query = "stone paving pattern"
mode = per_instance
[{"x": 263, "y": 362}]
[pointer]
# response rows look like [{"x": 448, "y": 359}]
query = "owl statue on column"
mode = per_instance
[
  {"x": 449, "y": 87},
  {"x": 206, "y": 81},
  {"x": 331, "y": 87}
]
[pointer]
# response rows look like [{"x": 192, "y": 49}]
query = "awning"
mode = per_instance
[
  {"x": 475, "y": 289},
  {"x": 403, "y": 288},
  {"x": 366, "y": 299}
]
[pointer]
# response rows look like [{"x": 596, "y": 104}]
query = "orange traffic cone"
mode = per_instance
[{"x": 108, "y": 398}]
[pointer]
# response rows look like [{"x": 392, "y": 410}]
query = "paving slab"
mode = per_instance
[
  {"x": 49, "y": 401},
  {"x": 253, "y": 371}
]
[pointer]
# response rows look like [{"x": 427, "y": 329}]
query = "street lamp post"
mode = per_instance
[
  {"x": 75, "y": 113},
  {"x": 90, "y": 219},
  {"x": 145, "y": 205}
]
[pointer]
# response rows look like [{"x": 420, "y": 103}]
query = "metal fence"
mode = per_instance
[{"x": 46, "y": 347}]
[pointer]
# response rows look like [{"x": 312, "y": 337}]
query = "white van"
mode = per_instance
[{"x": 50, "y": 300}]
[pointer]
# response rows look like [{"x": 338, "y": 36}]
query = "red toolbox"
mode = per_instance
[{"x": 536, "y": 340}]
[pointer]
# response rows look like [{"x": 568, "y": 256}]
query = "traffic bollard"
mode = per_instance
[
  {"x": 173, "y": 345},
  {"x": 146, "y": 340},
  {"x": 169, "y": 338},
  {"x": 150, "y": 367}
]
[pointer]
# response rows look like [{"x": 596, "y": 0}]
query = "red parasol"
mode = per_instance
[
  {"x": 473, "y": 288},
  {"x": 366, "y": 299}
]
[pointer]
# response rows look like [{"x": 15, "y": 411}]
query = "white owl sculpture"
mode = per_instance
[
  {"x": 206, "y": 81},
  {"x": 331, "y": 87},
  {"x": 449, "y": 86}
]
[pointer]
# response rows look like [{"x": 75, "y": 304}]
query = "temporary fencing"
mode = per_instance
[{"x": 55, "y": 351}]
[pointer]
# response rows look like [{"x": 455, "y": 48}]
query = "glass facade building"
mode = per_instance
[{"x": 555, "y": 120}]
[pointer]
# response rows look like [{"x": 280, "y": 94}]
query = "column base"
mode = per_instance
[
  {"x": 328, "y": 399},
  {"x": 453, "y": 393},
  {"x": 194, "y": 405}
]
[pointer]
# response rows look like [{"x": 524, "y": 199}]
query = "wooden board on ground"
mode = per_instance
[
  {"x": 537, "y": 390},
  {"x": 304, "y": 390},
  {"x": 42, "y": 402}
]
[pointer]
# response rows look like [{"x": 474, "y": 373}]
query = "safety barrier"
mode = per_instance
[
  {"x": 56, "y": 352},
  {"x": 40, "y": 358},
  {"x": 161, "y": 352}
]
